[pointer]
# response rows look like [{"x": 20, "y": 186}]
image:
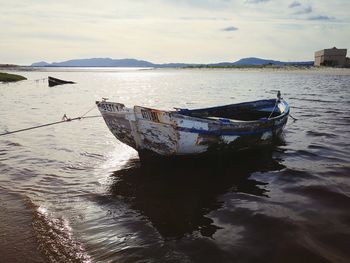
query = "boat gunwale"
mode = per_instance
[{"x": 233, "y": 104}]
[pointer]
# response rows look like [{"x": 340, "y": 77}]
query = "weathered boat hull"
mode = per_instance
[
  {"x": 54, "y": 82},
  {"x": 183, "y": 132}
]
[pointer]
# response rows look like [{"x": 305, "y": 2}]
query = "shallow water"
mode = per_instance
[{"x": 72, "y": 192}]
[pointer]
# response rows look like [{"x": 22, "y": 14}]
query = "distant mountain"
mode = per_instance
[
  {"x": 257, "y": 61},
  {"x": 40, "y": 64},
  {"x": 108, "y": 62},
  {"x": 260, "y": 61},
  {"x": 97, "y": 62}
]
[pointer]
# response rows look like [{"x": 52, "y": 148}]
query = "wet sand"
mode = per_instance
[{"x": 18, "y": 241}]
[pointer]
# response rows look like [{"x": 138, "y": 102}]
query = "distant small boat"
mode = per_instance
[
  {"x": 55, "y": 82},
  {"x": 190, "y": 132}
]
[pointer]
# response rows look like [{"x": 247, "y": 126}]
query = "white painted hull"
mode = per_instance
[{"x": 171, "y": 133}]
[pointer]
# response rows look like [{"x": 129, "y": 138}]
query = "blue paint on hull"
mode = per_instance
[{"x": 220, "y": 133}]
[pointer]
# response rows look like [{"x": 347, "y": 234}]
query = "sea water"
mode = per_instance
[{"x": 73, "y": 193}]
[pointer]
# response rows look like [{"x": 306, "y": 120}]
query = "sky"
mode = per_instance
[{"x": 163, "y": 31}]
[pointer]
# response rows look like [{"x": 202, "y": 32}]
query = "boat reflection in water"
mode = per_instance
[{"x": 177, "y": 195}]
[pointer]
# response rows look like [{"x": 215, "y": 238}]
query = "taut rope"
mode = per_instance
[{"x": 64, "y": 119}]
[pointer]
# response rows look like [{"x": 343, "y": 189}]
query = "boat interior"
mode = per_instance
[{"x": 249, "y": 111}]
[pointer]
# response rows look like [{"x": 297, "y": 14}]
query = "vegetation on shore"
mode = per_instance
[
  {"x": 249, "y": 66},
  {"x": 6, "y": 77}
]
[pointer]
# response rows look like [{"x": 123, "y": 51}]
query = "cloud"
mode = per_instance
[
  {"x": 294, "y": 4},
  {"x": 321, "y": 18},
  {"x": 149, "y": 29},
  {"x": 256, "y": 1},
  {"x": 304, "y": 10},
  {"x": 60, "y": 36},
  {"x": 230, "y": 29},
  {"x": 204, "y": 18},
  {"x": 301, "y": 9},
  {"x": 201, "y": 4}
]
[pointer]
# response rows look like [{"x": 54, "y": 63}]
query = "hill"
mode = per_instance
[
  {"x": 40, "y": 64},
  {"x": 96, "y": 62},
  {"x": 109, "y": 62},
  {"x": 260, "y": 61}
]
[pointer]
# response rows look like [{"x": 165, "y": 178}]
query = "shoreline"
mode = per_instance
[{"x": 273, "y": 69}]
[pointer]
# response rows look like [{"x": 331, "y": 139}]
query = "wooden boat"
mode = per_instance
[
  {"x": 54, "y": 81},
  {"x": 198, "y": 131}
]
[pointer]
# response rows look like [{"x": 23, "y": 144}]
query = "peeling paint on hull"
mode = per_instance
[{"x": 191, "y": 132}]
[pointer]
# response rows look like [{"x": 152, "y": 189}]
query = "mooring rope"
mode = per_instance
[
  {"x": 295, "y": 119},
  {"x": 49, "y": 124},
  {"x": 93, "y": 107},
  {"x": 277, "y": 100},
  {"x": 64, "y": 119},
  {"x": 37, "y": 80}
]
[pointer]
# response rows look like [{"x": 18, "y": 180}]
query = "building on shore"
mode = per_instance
[{"x": 333, "y": 57}]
